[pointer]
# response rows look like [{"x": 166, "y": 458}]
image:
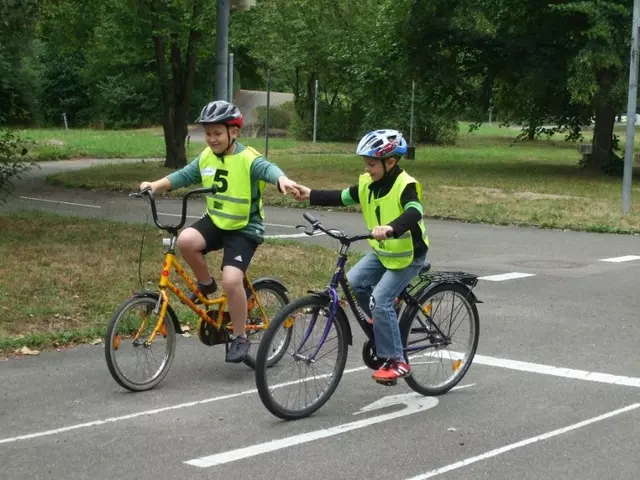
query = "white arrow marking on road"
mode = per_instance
[{"x": 414, "y": 403}]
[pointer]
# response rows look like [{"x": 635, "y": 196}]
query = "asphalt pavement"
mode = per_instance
[{"x": 552, "y": 394}]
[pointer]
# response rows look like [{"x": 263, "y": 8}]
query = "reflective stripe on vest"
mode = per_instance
[
  {"x": 230, "y": 208},
  {"x": 394, "y": 253}
]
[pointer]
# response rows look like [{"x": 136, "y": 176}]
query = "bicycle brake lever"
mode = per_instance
[{"x": 306, "y": 230}]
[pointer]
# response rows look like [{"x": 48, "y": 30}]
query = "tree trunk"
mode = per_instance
[
  {"x": 602, "y": 143},
  {"x": 176, "y": 91}
]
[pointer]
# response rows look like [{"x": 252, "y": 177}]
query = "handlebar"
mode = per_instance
[
  {"x": 333, "y": 233},
  {"x": 148, "y": 192}
]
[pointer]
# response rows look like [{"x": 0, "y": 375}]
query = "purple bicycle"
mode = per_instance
[{"x": 433, "y": 309}]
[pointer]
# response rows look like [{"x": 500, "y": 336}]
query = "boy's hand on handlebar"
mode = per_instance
[
  {"x": 382, "y": 232},
  {"x": 162, "y": 185},
  {"x": 146, "y": 186}
]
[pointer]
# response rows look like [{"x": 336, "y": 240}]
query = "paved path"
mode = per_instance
[{"x": 553, "y": 392}]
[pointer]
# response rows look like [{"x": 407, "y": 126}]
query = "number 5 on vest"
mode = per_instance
[{"x": 220, "y": 179}]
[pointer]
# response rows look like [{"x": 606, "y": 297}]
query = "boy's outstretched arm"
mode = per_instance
[
  {"x": 334, "y": 198},
  {"x": 412, "y": 214},
  {"x": 262, "y": 169},
  {"x": 187, "y": 175}
]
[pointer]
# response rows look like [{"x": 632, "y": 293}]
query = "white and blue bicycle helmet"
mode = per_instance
[{"x": 382, "y": 144}]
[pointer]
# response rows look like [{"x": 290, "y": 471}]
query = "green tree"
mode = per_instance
[
  {"x": 17, "y": 23},
  {"x": 598, "y": 71}
]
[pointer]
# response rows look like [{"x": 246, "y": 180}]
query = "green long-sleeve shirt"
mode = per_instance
[{"x": 261, "y": 169}]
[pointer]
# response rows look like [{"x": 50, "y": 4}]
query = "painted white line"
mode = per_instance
[
  {"x": 523, "y": 443},
  {"x": 414, "y": 403},
  {"x": 285, "y": 235},
  {"x": 147, "y": 412},
  {"x": 627, "y": 258},
  {"x": 540, "y": 368},
  {"x": 557, "y": 371},
  {"x": 177, "y": 215},
  {"x": 200, "y": 216},
  {"x": 478, "y": 359},
  {"x": 279, "y": 225},
  {"x": 294, "y": 235},
  {"x": 506, "y": 276},
  {"x": 59, "y": 201}
]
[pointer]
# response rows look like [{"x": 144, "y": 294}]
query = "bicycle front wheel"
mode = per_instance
[
  {"x": 441, "y": 339},
  {"x": 133, "y": 362},
  {"x": 310, "y": 370}
]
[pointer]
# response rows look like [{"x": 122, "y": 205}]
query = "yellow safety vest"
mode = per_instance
[
  {"x": 394, "y": 253},
  {"x": 230, "y": 207}
]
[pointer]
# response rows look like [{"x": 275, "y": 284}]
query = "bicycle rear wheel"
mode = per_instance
[
  {"x": 269, "y": 299},
  {"x": 309, "y": 372},
  {"x": 126, "y": 336},
  {"x": 441, "y": 339}
]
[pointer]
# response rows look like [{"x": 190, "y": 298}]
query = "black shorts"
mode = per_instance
[{"x": 238, "y": 249}]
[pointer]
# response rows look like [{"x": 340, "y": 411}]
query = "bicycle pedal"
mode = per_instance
[{"x": 388, "y": 383}]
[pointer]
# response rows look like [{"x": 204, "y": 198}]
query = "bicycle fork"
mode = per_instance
[{"x": 160, "y": 310}]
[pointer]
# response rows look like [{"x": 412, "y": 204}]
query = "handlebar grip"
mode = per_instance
[{"x": 310, "y": 218}]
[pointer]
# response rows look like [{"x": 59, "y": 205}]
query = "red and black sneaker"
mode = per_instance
[{"x": 391, "y": 371}]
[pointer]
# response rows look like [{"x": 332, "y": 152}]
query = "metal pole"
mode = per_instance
[
  {"x": 631, "y": 111},
  {"x": 413, "y": 98},
  {"x": 66, "y": 125},
  {"x": 315, "y": 113},
  {"x": 222, "y": 48},
  {"x": 230, "y": 86},
  {"x": 266, "y": 121}
]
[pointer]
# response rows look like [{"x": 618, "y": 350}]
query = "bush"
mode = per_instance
[
  {"x": 13, "y": 160},
  {"x": 280, "y": 117}
]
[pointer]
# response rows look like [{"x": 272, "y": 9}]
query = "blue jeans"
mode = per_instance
[{"x": 376, "y": 288}]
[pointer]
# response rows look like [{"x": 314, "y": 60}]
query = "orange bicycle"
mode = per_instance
[{"x": 145, "y": 325}]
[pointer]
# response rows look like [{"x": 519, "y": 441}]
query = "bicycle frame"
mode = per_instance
[
  {"x": 339, "y": 279},
  {"x": 171, "y": 263}
]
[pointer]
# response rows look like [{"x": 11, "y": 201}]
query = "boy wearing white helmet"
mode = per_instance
[
  {"x": 391, "y": 202},
  {"x": 234, "y": 218}
]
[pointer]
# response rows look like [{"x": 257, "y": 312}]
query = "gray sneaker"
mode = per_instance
[{"x": 238, "y": 350}]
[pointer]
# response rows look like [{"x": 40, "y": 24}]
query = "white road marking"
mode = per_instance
[
  {"x": 539, "y": 368},
  {"x": 414, "y": 403},
  {"x": 279, "y": 225},
  {"x": 60, "y": 201},
  {"x": 177, "y": 215},
  {"x": 522, "y": 443},
  {"x": 478, "y": 359},
  {"x": 284, "y": 235},
  {"x": 147, "y": 412},
  {"x": 557, "y": 371},
  {"x": 294, "y": 235},
  {"x": 506, "y": 276},
  {"x": 627, "y": 258}
]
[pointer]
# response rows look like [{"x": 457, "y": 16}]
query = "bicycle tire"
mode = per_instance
[
  {"x": 265, "y": 391},
  {"x": 405, "y": 328},
  {"x": 110, "y": 348},
  {"x": 279, "y": 292}
]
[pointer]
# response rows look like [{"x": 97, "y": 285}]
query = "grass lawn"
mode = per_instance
[
  {"x": 59, "y": 144},
  {"x": 485, "y": 177},
  {"x": 64, "y": 290}
]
